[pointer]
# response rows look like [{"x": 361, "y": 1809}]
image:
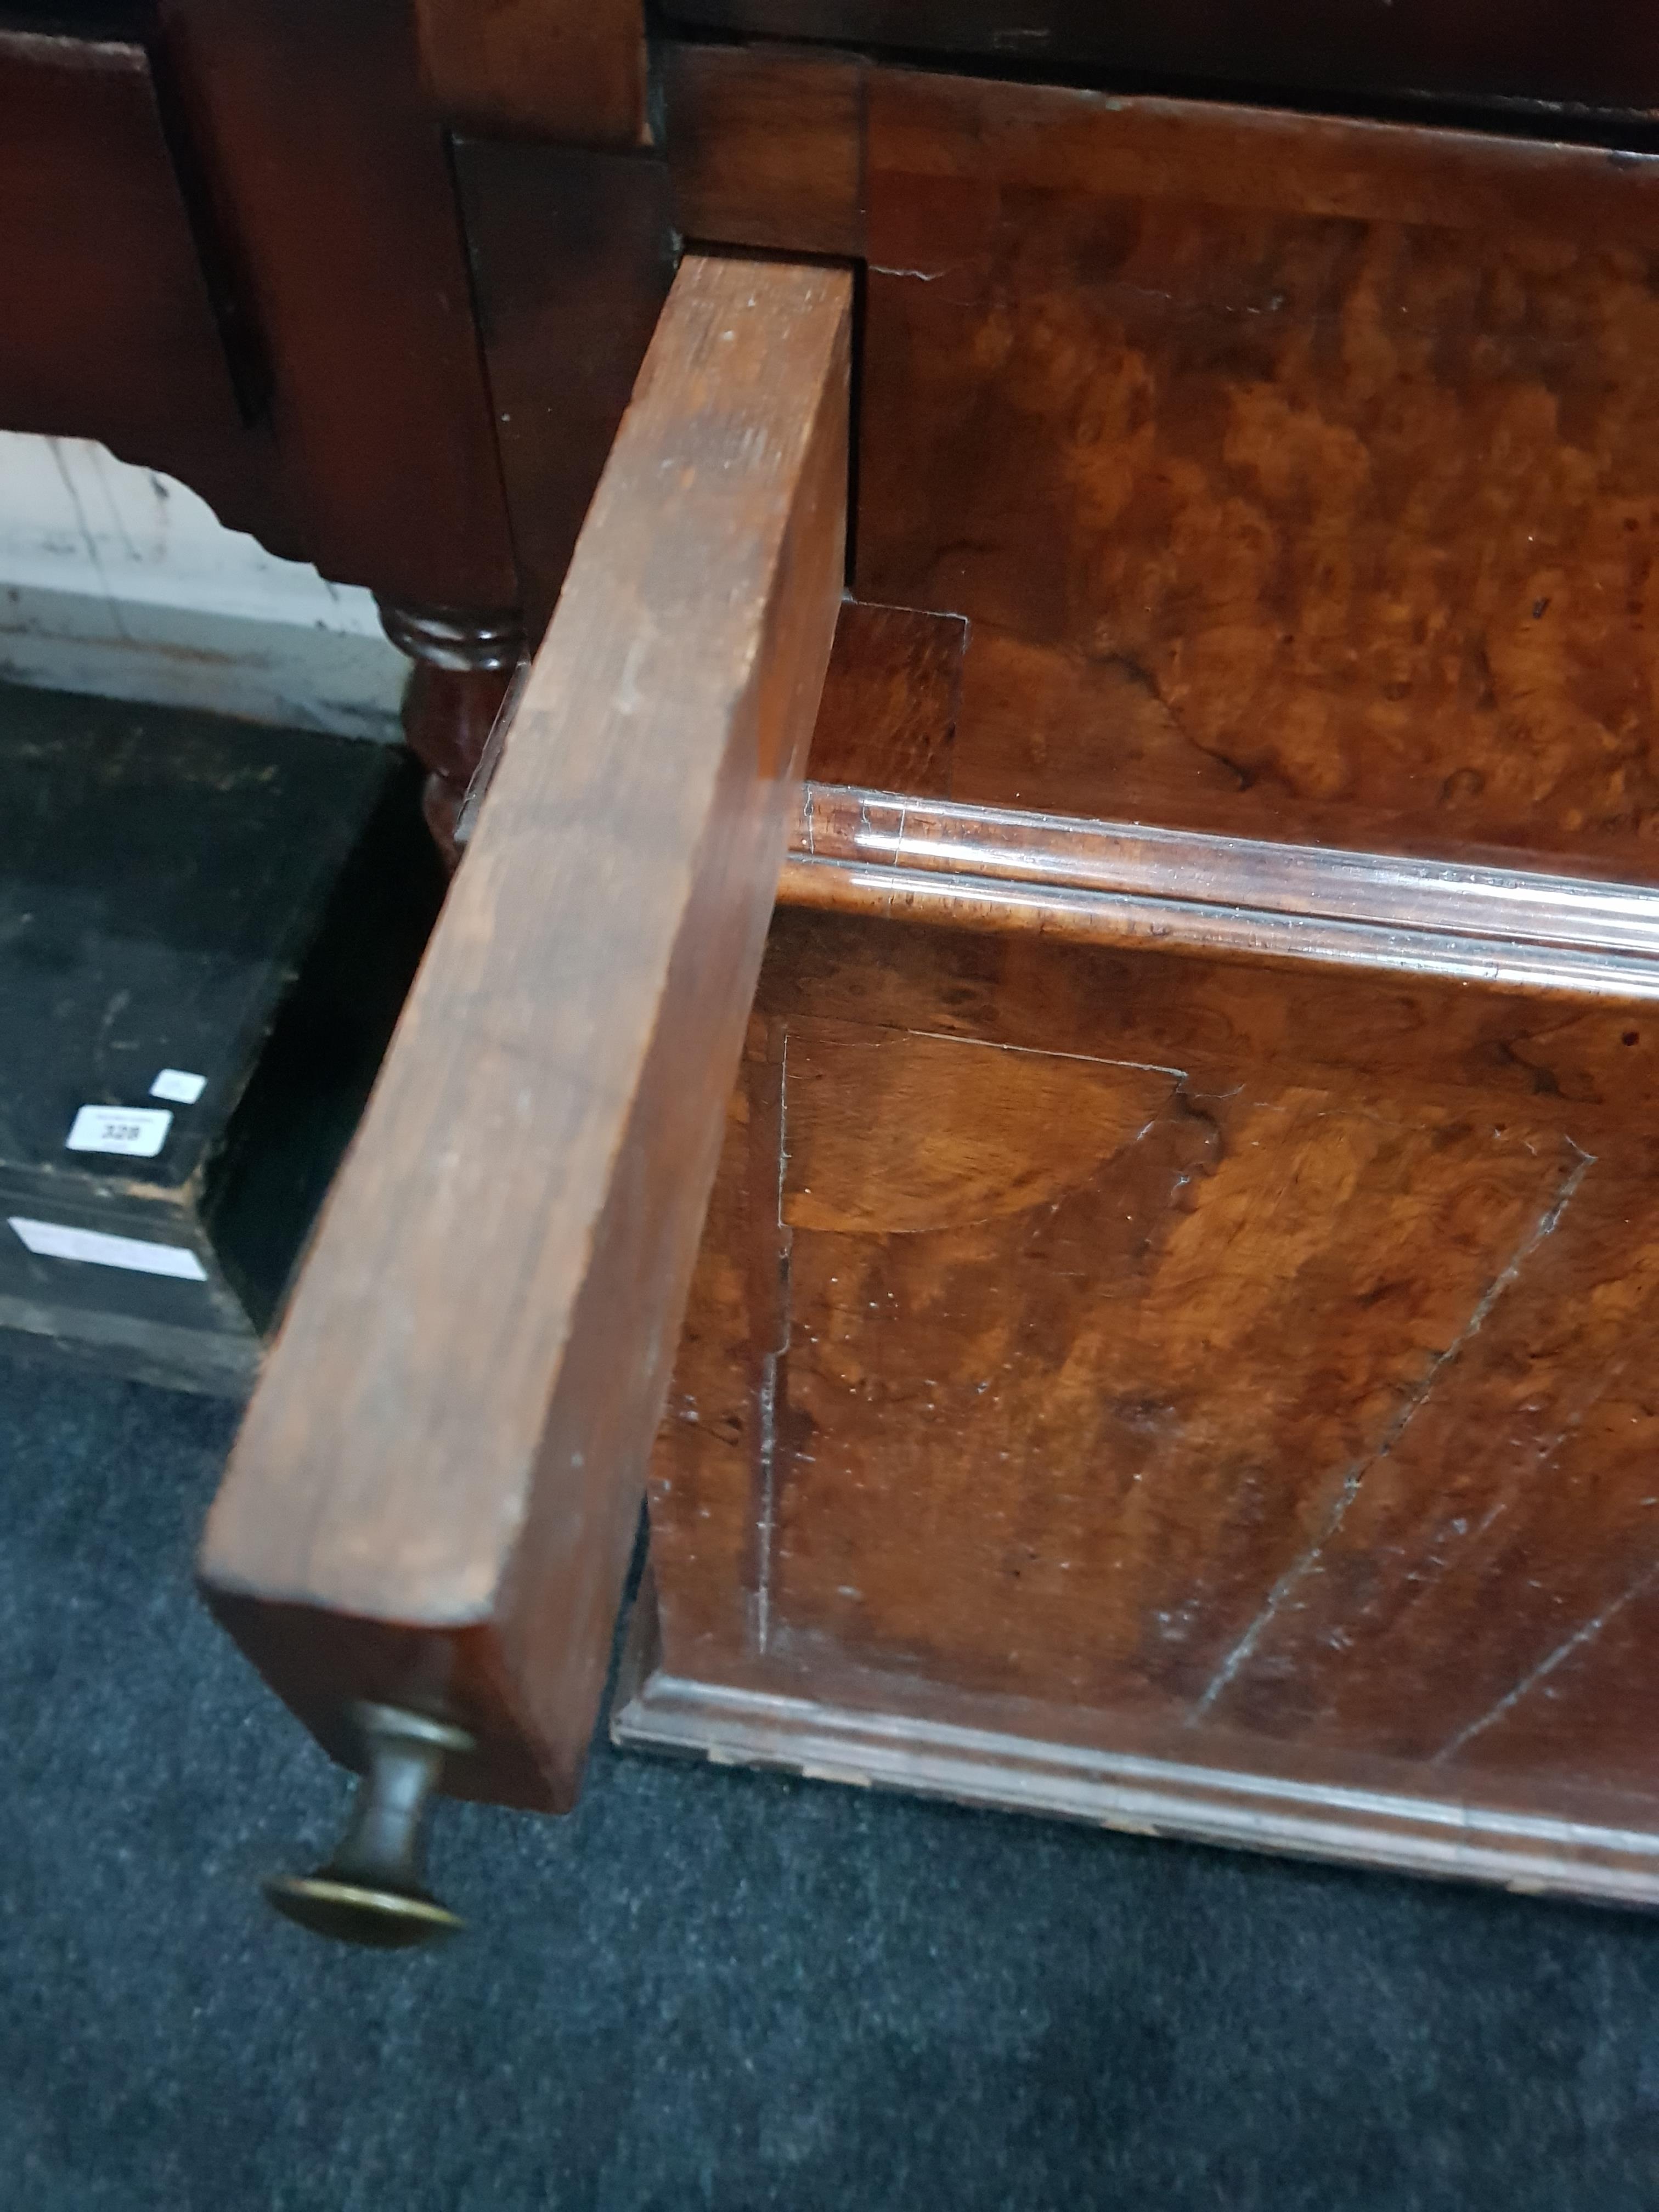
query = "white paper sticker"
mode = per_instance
[
  {"x": 140, "y": 1131},
  {"x": 177, "y": 1084},
  {"x": 56, "y": 1240}
]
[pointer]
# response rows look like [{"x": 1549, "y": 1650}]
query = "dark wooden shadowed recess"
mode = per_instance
[{"x": 1552, "y": 54}]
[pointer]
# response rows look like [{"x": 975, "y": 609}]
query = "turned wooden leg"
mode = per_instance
[{"x": 464, "y": 664}]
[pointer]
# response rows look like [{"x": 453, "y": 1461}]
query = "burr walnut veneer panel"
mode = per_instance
[
  {"x": 1239, "y": 1368},
  {"x": 1173, "y": 1336},
  {"x": 1298, "y": 477},
  {"x": 1294, "y": 476}
]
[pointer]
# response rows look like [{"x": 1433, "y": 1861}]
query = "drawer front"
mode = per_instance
[
  {"x": 1168, "y": 1341},
  {"x": 433, "y": 1498},
  {"x": 1180, "y": 1361}
]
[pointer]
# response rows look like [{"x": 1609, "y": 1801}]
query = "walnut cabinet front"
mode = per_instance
[{"x": 1164, "y": 1247}]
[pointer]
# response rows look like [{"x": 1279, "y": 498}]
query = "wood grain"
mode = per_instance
[
  {"x": 1176, "y": 1372},
  {"x": 571, "y": 71},
  {"x": 1291, "y": 471},
  {"x": 1173, "y": 1324},
  {"x": 1550, "y": 52},
  {"x": 1511, "y": 1515},
  {"x": 572, "y": 256},
  {"x": 889, "y": 714},
  {"x": 1171, "y": 1340},
  {"x": 1585, "y": 1708},
  {"x": 1294, "y": 474},
  {"x": 1596, "y": 1845},
  {"x": 1580, "y": 1064},
  {"x": 108, "y": 326},
  {"x": 435, "y": 1494},
  {"x": 910, "y": 859},
  {"x": 767, "y": 147},
  {"x": 321, "y": 148}
]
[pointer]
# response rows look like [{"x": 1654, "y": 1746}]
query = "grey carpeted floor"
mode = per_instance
[{"x": 708, "y": 1988}]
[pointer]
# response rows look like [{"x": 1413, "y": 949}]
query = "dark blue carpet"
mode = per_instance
[{"x": 708, "y": 1988}]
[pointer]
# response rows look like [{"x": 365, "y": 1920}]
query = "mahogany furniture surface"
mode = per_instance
[
  {"x": 1294, "y": 474},
  {"x": 436, "y": 1489},
  {"x": 237, "y": 250},
  {"x": 1157, "y": 1356},
  {"x": 395, "y": 472},
  {"x": 573, "y": 256},
  {"x": 1550, "y": 53},
  {"x": 1168, "y": 1345},
  {"x": 111, "y": 328},
  {"x": 1170, "y": 1337},
  {"x": 575, "y": 74}
]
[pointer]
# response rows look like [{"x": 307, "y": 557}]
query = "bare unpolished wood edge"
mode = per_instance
[
  {"x": 63, "y": 49},
  {"x": 1115, "y": 882},
  {"x": 1464, "y": 1838},
  {"x": 460, "y": 1586}
]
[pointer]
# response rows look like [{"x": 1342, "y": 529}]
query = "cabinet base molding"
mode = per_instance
[{"x": 1597, "y": 1858}]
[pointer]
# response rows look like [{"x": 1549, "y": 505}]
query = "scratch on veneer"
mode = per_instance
[
  {"x": 1042, "y": 1052},
  {"x": 1545, "y": 1667},
  {"x": 921, "y": 276},
  {"x": 903, "y": 821},
  {"x": 1546, "y": 1225},
  {"x": 767, "y": 1424},
  {"x": 1345, "y": 1114},
  {"x": 767, "y": 1427}
]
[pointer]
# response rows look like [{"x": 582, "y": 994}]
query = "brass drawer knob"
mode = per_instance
[{"x": 371, "y": 1890}]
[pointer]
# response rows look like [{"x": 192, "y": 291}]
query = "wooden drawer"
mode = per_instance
[
  {"x": 1168, "y": 1339},
  {"x": 498, "y": 1276},
  {"x": 1178, "y": 1363}
]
